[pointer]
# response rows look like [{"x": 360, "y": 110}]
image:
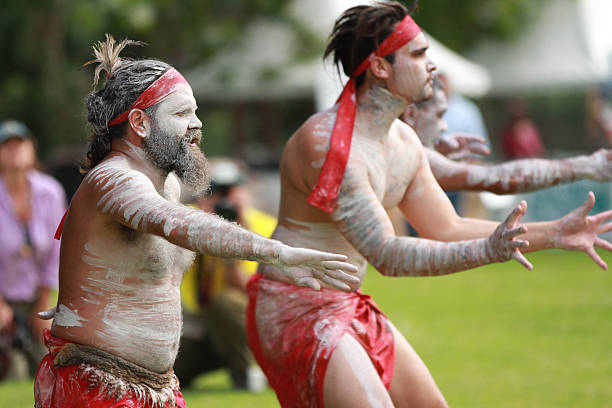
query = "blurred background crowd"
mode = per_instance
[{"x": 533, "y": 78}]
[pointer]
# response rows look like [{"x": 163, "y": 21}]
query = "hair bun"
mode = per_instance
[{"x": 106, "y": 55}]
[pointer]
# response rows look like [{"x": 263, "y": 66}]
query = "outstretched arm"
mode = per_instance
[
  {"x": 364, "y": 222},
  {"x": 574, "y": 231},
  {"x": 519, "y": 175},
  {"x": 130, "y": 198}
]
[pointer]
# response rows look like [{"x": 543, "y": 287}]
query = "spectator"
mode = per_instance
[
  {"x": 31, "y": 205},
  {"x": 521, "y": 137},
  {"x": 213, "y": 291}
]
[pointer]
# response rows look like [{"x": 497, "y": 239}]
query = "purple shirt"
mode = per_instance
[{"x": 21, "y": 276}]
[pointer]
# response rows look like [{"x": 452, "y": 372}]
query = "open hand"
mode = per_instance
[
  {"x": 461, "y": 146},
  {"x": 307, "y": 267},
  {"x": 502, "y": 240},
  {"x": 579, "y": 232}
]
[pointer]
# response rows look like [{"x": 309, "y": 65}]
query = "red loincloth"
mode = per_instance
[
  {"x": 67, "y": 387},
  {"x": 293, "y": 331}
]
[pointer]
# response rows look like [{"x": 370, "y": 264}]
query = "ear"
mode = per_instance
[
  {"x": 409, "y": 114},
  {"x": 380, "y": 67},
  {"x": 140, "y": 123}
]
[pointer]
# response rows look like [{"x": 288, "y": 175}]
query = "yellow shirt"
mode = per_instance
[{"x": 258, "y": 222}]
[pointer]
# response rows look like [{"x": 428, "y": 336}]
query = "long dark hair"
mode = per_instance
[{"x": 360, "y": 30}]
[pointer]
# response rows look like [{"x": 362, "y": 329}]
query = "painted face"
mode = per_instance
[
  {"x": 429, "y": 121},
  {"x": 17, "y": 154},
  {"x": 174, "y": 142},
  {"x": 412, "y": 76}
]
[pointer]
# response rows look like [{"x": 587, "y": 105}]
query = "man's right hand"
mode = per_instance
[
  {"x": 308, "y": 267},
  {"x": 502, "y": 241}
]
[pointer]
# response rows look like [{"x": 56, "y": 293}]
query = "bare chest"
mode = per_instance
[
  {"x": 125, "y": 254},
  {"x": 391, "y": 167}
]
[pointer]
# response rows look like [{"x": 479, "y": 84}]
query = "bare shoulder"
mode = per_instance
[
  {"x": 406, "y": 141},
  {"x": 313, "y": 136},
  {"x": 306, "y": 150},
  {"x": 406, "y": 133},
  {"x": 114, "y": 180},
  {"x": 113, "y": 171}
]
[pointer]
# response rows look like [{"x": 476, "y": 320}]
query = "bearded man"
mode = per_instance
[
  {"x": 445, "y": 154},
  {"x": 127, "y": 240},
  {"x": 341, "y": 171}
]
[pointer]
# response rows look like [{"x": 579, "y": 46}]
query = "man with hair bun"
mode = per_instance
[
  {"x": 126, "y": 241},
  {"x": 341, "y": 171}
]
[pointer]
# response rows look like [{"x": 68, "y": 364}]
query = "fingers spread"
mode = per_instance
[
  {"x": 326, "y": 256},
  {"x": 344, "y": 266},
  {"x": 602, "y": 229},
  {"x": 336, "y": 283},
  {"x": 511, "y": 233},
  {"x": 602, "y": 243},
  {"x": 339, "y": 275},
  {"x": 522, "y": 260},
  {"x": 309, "y": 281},
  {"x": 603, "y": 216},
  {"x": 584, "y": 209},
  {"x": 480, "y": 149},
  {"x": 596, "y": 258},
  {"x": 516, "y": 214}
]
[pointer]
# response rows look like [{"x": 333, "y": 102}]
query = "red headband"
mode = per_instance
[
  {"x": 157, "y": 91},
  {"x": 325, "y": 193}
]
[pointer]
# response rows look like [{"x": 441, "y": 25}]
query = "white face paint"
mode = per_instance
[
  {"x": 177, "y": 112},
  {"x": 429, "y": 123},
  {"x": 412, "y": 76}
]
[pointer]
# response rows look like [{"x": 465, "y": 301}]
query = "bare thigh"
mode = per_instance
[
  {"x": 412, "y": 385},
  {"x": 351, "y": 380}
]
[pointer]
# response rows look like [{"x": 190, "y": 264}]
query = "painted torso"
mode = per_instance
[
  {"x": 382, "y": 163},
  {"x": 119, "y": 288}
]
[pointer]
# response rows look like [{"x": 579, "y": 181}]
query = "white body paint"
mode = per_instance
[
  {"x": 349, "y": 347},
  {"x": 65, "y": 317}
]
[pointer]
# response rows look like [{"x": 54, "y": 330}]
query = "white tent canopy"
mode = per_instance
[
  {"x": 262, "y": 67},
  {"x": 569, "y": 45}
]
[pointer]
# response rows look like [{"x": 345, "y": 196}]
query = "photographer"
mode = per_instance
[{"x": 213, "y": 292}]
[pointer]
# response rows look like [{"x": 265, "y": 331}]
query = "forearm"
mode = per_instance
[
  {"x": 131, "y": 200},
  {"x": 541, "y": 235},
  {"x": 405, "y": 256},
  {"x": 520, "y": 176},
  {"x": 534, "y": 174}
]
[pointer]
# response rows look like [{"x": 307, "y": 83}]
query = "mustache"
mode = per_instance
[{"x": 194, "y": 135}]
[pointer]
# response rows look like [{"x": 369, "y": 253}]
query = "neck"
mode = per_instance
[
  {"x": 138, "y": 159},
  {"x": 16, "y": 180},
  {"x": 377, "y": 108}
]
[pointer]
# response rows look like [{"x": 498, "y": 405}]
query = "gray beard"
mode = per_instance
[{"x": 170, "y": 154}]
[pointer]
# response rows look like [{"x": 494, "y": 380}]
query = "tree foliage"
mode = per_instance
[
  {"x": 44, "y": 43},
  {"x": 461, "y": 23}
]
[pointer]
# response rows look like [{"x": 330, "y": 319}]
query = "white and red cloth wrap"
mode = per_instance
[
  {"x": 294, "y": 330},
  {"x": 325, "y": 192}
]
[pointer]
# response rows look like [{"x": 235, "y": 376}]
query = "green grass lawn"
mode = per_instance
[{"x": 497, "y": 336}]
